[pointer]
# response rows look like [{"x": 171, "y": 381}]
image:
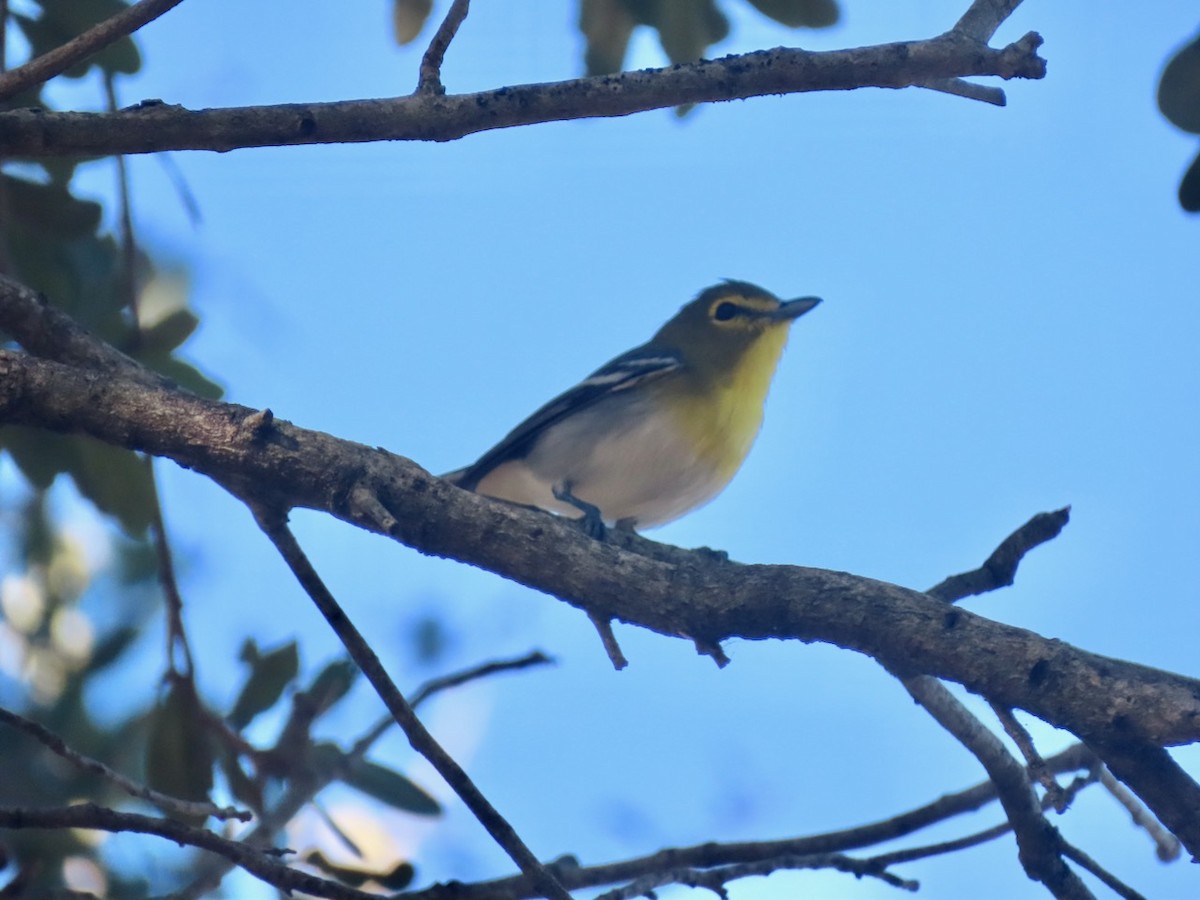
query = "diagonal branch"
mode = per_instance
[
  {"x": 431, "y": 63},
  {"x": 43, "y": 68},
  {"x": 156, "y": 126},
  {"x": 275, "y": 527},
  {"x": 257, "y": 862},
  {"x": 1039, "y": 843},
  {"x": 173, "y": 805},
  {"x": 999, "y": 569},
  {"x": 662, "y": 588}
]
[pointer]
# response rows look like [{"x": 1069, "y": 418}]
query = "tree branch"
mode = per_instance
[
  {"x": 275, "y": 527},
  {"x": 665, "y": 589},
  {"x": 257, "y": 862},
  {"x": 999, "y": 569},
  {"x": 92, "y": 41},
  {"x": 155, "y": 126},
  {"x": 711, "y": 855},
  {"x": 430, "y": 81},
  {"x": 170, "y": 804}
]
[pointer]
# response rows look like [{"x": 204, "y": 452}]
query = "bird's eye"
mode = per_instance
[{"x": 724, "y": 312}]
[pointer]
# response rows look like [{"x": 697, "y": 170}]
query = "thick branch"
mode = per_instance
[
  {"x": 661, "y": 588},
  {"x": 154, "y": 126}
]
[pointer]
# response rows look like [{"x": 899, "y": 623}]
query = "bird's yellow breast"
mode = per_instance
[{"x": 723, "y": 417}]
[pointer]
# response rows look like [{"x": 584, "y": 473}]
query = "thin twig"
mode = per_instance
[
  {"x": 716, "y": 879},
  {"x": 999, "y": 569},
  {"x": 303, "y": 787},
  {"x": 912, "y": 854},
  {"x": 430, "y": 78},
  {"x": 710, "y": 854},
  {"x": 959, "y": 87},
  {"x": 1038, "y": 841},
  {"x": 95, "y": 39},
  {"x": 174, "y": 805},
  {"x": 1167, "y": 846},
  {"x": 1111, "y": 881},
  {"x": 1033, "y": 760},
  {"x": 484, "y": 670},
  {"x": 176, "y": 635},
  {"x": 275, "y": 527},
  {"x": 603, "y": 627},
  {"x": 257, "y": 862},
  {"x": 128, "y": 278}
]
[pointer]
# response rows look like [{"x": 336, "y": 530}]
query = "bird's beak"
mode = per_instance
[{"x": 794, "y": 309}]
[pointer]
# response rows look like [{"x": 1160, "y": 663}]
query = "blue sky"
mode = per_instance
[{"x": 1010, "y": 325}]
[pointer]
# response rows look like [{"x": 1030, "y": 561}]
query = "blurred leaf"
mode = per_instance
[
  {"x": 117, "y": 481},
  {"x": 113, "y": 478},
  {"x": 168, "y": 333},
  {"x": 62, "y": 20},
  {"x": 799, "y": 13},
  {"x": 110, "y": 648},
  {"x": 270, "y": 673},
  {"x": 50, "y": 209},
  {"x": 400, "y": 876},
  {"x": 1189, "y": 188},
  {"x": 390, "y": 788},
  {"x": 408, "y": 18},
  {"x": 242, "y": 787},
  {"x": 1179, "y": 88},
  {"x": 687, "y": 28},
  {"x": 179, "y": 756},
  {"x": 429, "y": 639},
  {"x": 40, "y": 455},
  {"x": 183, "y": 374},
  {"x": 607, "y": 26},
  {"x": 332, "y": 684}
]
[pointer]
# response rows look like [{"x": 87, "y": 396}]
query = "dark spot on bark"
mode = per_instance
[
  {"x": 307, "y": 126},
  {"x": 1039, "y": 673},
  {"x": 950, "y": 619},
  {"x": 1120, "y": 723}
]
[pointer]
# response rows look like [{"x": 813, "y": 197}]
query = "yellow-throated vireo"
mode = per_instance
[{"x": 659, "y": 430}]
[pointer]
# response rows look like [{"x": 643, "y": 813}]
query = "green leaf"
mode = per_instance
[
  {"x": 62, "y": 20},
  {"x": 50, "y": 209},
  {"x": 607, "y": 26},
  {"x": 183, "y": 374},
  {"x": 799, "y": 13},
  {"x": 40, "y": 455},
  {"x": 168, "y": 333},
  {"x": 242, "y": 787},
  {"x": 179, "y": 757},
  {"x": 332, "y": 684},
  {"x": 1189, "y": 188},
  {"x": 687, "y": 28},
  {"x": 117, "y": 481},
  {"x": 391, "y": 788},
  {"x": 408, "y": 18},
  {"x": 1179, "y": 88},
  {"x": 270, "y": 673}
]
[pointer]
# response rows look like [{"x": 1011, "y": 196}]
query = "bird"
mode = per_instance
[{"x": 657, "y": 431}]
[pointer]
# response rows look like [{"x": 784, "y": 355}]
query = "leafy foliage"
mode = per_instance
[{"x": 1179, "y": 100}]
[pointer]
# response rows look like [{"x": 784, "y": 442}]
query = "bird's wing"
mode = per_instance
[{"x": 633, "y": 368}]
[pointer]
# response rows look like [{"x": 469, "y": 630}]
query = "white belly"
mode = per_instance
[{"x": 643, "y": 469}]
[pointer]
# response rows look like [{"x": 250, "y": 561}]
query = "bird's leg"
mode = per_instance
[{"x": 592, "y": 522}]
